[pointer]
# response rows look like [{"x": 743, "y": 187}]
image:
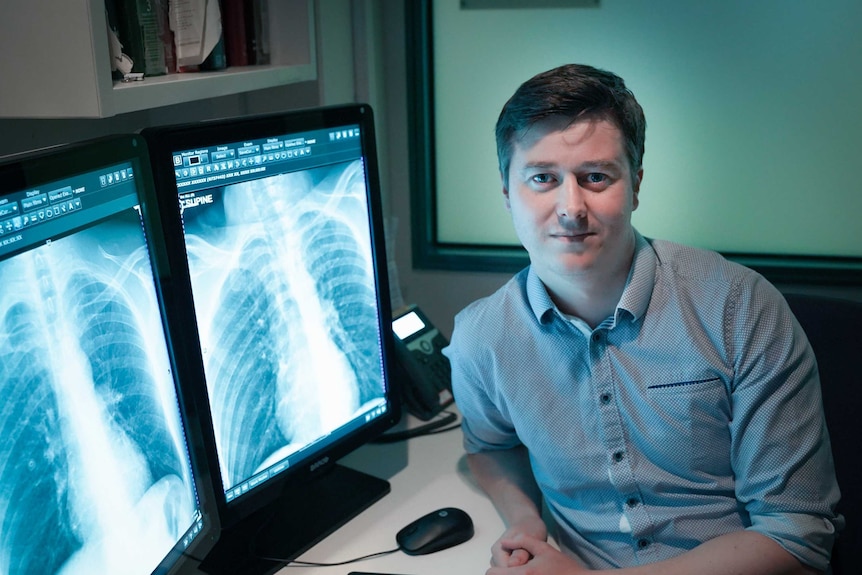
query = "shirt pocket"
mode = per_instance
[{"x": 689, "y": 424}]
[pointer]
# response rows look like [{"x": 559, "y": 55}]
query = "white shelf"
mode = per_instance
[
  {"x": 176, "y": 88},
  {"x": 57, "y": 63}
]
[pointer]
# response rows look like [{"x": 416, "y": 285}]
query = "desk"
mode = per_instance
[{"x": 434, "y": 475}]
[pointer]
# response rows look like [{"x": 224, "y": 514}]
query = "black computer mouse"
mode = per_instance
[{"x": 435, "y": 531}]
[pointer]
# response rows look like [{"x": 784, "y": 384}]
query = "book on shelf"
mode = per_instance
[
  {"x": 246, "y": 31},
  {"x": 258, "y": 23},
  {"x": 197, "y": 29},
  {"x": 217, "y": 58},
  {"x": 167, "y": 36},
  {"x": 235, "y": 32},
  {"x": 139, "y": 26}
]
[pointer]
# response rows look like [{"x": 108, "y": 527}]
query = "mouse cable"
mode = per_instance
[
  {"x": 338, "y": 564},
  {"x": 427, "y": 429},
  {"x": 449, "y": 417},
  {"x": 292, "y": 563}
]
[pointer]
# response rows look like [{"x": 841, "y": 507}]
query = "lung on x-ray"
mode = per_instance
[
  {"x": 282, "y": 275},
  {"x": 94, "y": 472}
]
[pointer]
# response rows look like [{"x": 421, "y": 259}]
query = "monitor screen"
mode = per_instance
[
  {"x": 279, "y": 219},
  {"x": 97, "y": 473}
]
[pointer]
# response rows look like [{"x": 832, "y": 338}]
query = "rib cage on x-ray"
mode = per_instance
[
  {"x": 90, "y": 439},
  {"x": 286, "y": 304},
  {"x": 33, "y": 470}
]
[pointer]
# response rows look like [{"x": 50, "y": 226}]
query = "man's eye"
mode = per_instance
[
  {"x": 542, "y": 179},
  {"x": 596, "y": 181}
]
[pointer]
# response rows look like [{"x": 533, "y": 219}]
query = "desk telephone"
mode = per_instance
[{"x": 418, "y": 347}]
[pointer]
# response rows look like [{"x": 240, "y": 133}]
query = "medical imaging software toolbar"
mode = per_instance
[
  {"x": 39, "y": 213},
  {"x": 231, "y": 163}
]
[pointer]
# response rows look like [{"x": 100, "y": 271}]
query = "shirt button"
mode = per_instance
[
  {"x": 632, "y": 501},
  {"x": 605, "y": 398},
  {"x": 618, "y": 456},
  {"x": 597, "y": 337},
  {"x": 643, "y": 543}
]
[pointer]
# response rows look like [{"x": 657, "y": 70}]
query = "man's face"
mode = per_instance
[{"x": 571, "y": 196}]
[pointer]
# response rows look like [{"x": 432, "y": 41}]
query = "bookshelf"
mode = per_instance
[{"x": 56, "y": 63}]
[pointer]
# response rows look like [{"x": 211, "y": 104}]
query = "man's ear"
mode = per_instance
[
  {"x": 506, "y": 196},
  {"x": 636, "y": 188}
]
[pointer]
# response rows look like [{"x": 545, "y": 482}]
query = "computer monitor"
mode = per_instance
[
  {"x": 101, "y": 462},
  {"x": 278, "y": 223}
]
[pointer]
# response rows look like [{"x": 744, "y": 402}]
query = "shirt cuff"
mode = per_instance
[{"x": 809, "y": 538}]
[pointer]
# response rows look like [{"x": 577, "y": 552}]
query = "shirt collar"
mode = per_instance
[
  {"x": 638, "y": 291},
  {"x": 538, "y": 297},
  {"x": 636, "y": 294}
]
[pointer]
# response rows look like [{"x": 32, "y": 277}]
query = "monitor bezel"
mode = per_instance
[
  {"x": 44, "y": 166},
  {"x": 164, "y": 142}
]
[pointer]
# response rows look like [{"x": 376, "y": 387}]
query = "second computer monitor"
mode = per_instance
[{"x": 281, "y": 226}]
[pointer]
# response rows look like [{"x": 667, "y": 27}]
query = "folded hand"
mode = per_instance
[{"x": 542, "y": 558}]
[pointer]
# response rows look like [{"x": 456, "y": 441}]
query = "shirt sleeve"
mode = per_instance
[
  {"x": 485, "y": 421},
  {"x": 780, "y": 448}
]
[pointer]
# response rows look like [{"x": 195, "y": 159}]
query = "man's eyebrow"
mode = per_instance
[
  {"x": 588, "y": 165},
  {"x": 538, "y": 164},
  {"x": 601, "y": 165}
]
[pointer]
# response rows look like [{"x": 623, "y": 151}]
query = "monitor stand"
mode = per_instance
[{"x": 294, "y": 523}]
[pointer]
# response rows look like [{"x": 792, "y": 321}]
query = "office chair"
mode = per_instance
[{"x": 834, "y": 328}]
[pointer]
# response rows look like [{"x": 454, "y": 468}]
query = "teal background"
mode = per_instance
[{"x": 754, "y": 115}]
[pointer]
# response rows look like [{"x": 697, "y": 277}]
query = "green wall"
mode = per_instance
[{"x": 754, "y": 113}]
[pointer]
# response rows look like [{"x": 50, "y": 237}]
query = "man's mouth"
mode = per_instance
[{"x": 574, "y": 236}]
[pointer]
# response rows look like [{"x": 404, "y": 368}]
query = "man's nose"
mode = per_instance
[{"x": 571, "y": 201}]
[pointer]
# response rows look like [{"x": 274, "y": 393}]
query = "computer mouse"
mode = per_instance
[{"x": 435, "y": 531}]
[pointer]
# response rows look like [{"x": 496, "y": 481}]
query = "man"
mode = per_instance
[{"x": 660, "y": 401}]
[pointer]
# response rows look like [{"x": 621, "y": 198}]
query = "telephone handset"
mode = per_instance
[{"x": 419, "y": 349}]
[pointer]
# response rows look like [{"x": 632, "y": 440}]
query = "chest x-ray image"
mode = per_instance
[
  {"x": 94, "y": 472},
  {"x": 285, "y": 299}
]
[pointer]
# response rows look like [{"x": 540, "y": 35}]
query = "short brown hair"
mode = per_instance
[{"x": 573, "y": 91}]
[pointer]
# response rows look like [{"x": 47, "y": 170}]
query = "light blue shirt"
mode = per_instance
[{"x": 692, "y": 412}]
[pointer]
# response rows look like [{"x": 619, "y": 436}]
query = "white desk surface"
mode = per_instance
[{"x": 429, "y": 473}]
